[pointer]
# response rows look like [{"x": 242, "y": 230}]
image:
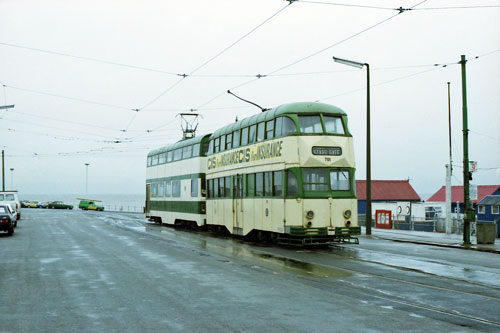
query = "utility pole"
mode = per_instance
[
  {"x": 449, "y": 171},
  {"x": 3, "y": 172},
  {"x": 469, "y": 213}
]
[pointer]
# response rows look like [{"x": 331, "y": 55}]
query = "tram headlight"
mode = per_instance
[
  {"x": 310, "y": 214},
  {"x": 347, "y": 213}
]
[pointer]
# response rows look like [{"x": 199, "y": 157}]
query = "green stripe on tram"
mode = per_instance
[{"x": 190, "y": 207}]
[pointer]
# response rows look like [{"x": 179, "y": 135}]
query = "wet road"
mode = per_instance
[{"x": 91, "y": 271}]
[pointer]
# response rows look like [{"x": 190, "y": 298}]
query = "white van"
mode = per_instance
[{"x": 11, "y": 197}]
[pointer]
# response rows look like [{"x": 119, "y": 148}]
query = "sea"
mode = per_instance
[{"x": 110, "y": 202}]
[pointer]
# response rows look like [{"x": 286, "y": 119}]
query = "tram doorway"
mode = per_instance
[{"x": 238, "y": 204}]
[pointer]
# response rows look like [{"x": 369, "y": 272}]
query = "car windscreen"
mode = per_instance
[{"x": 3, "y": 210}]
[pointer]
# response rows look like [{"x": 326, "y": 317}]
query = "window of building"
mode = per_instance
[
  {"x": 495, "y": 209},
  {"x": 236, "y": 139},
  {"x": 310, "y": 124},
  {"x": 292, "y": 186},
  {"x": 244, "y": 136},
  {"x": 333, "y": 125},
  {"x": 168, "y": 188},
  {"x": 269, "y": 129},
  {"x": 339, "y": 180},
  {"x": 259, "y": 184},
  {"x": 261, "y": 133},
  {"x": 176, "y": 188},
  {"x": 315, "y": 179},
  {"x": 194, "y": 187},
  {"x": 277, "y": 183}
]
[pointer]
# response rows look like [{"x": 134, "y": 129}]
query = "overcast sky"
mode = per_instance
[{"x": 76, "y": 70}]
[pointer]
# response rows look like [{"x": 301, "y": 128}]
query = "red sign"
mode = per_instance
[{"x": 383, "y": 219}]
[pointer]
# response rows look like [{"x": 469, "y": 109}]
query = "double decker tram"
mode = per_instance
[{"x": 286, "y": 174}]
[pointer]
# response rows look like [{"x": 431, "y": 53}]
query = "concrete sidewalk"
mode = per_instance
[{"x": 431, "y": 238}]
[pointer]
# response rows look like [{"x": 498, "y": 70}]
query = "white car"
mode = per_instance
[{"x": 11, "y": 197}]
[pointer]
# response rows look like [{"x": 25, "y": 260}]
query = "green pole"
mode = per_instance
[
  {"x": 469, "y": 214},
  {"x": 368, "y": 157},
  {"x": 3, "y": 172}
]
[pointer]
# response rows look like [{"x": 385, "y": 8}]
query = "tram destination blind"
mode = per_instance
[{"x": 327, "y": 151}]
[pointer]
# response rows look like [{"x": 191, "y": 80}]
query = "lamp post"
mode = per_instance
[
  {"x": 87, "y": 178},
  {"x": 368, "y": 219},
  {"x": 12, "y": 178}
]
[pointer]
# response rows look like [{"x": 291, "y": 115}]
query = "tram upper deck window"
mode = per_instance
[
  {"x": 222, "y": 143},
  {"x": 211, "y": 147},
  {"x": 216, "y": 145},
  {"x": 170, "y": 156},
  {"x": 261, "y": 132},
  {"x": 252, "y": 134},
  {"x": 155, "y": 160},
  {"x": 269, "y": 129},
  {"x": 150, "y": 161},
  {"x": 244, "y": 136},
  {"x": 229, "y": 141},
  {"x": 333, "y": 125},
  {"x": 310, "y": 124},
  {"x": 236, "y": 139},
  {"x": 177, "y": 154},
  {"x": 204, "y": 149},
  {"x": 187, "y": 152},
  {"x": 339, "y": 180},
  {"x": 162, "y": 158},
  {"x": 284, "y": 126},
  {"x": 196, "y": 150},
  {"x": 315, "y": 179}
]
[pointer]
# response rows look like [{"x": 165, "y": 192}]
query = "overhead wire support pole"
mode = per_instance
[{"x": 469, "y": 213}]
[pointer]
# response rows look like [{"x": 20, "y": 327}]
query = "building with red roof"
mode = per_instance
[
  {"x": 385, "y": 191},
  {"x": 457, "y": 195}
]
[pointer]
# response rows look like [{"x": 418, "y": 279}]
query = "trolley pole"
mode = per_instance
[{"x": 469, "y": 213}]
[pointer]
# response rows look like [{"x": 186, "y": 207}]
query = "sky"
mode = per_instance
[{"x": 102, "y": 82}]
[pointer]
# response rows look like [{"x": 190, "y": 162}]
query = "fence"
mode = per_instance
[
  {"x": 124, "y": 209},
  {"x": 434, "y": 225}
]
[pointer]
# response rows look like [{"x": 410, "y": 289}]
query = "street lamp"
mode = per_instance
[
  {"x": 12, "y": 178},
  {"x": 87, "y": 178},
  {"x": 368, "y": 219}
]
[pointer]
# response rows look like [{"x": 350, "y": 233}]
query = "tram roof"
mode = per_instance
[
  {"x": 180, "y": 144},
  {"x": 291, "y": 108}
]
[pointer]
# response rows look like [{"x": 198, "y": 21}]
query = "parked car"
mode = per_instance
[
  {"x": 59, "y": 205},
  {"x": 10, "y": 197},
  {"x": 42, "y": 204},
  {"x": 6, "y": 219},
  {"x": 31, "y": 204},
  {"x": 89, "y": 204}
]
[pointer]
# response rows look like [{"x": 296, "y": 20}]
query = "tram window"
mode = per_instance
[
  {"x": 277, "y": 184},
  {"x": 154, "y": 189},
  {"x": 187, "y": 152},
  {"x": 161, "y": 193},
  {"x": 170, "y": 156},
  {"x": 229, "y": 140},
  {"x": 150, "y": 160},
  {"x": 227, "y": 187},
  {"x": 216, "y": 145},
  {"x": 204, "y": 149},
  {"x": 333, "y": 125},
  {"x": 269, "y": 129},
  {"x": 250, "y": 185},
  {"x": 236, "y": 139},
  {"x": 261, "y": 132},
  {"x": 222, "y": 143},
  {"x": 292, "y": 186},
  {"x": 216, "y": 188},
  {"x": 310, "y": 124},
  {"x": 162, "y": 158},
  {"x": 196, "y": 150},
  {"x": 177, "y": 154},
  {"x": 288, "y": 126},
  {"x": 211, "y": 147},
  {"x": 268, "y": 188},
  {"x": 244, "y": 136},
  {"x": 252, "y": 134},
  {"x": 168, "y": 188},
  {"x": 259, "y": 184},
  {"x": 210, "y": 185},
  {"x": 315, "y": 179},
  {"x": 194, "y": 187},
  {"x": 203, "y": 187},
  {"x": 176, "y": 188},
  {"x": 155, "y": 160},
  {"x": 339, "y": 179},
  {"x": 221, "y": 187}
]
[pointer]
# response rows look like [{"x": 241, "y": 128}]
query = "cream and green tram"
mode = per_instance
[
  {"x": 286, "y": 174},
  {"x": 175, "y": 183}
]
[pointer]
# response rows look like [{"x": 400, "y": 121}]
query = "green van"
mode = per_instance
[{"x": 89, "y": 204}]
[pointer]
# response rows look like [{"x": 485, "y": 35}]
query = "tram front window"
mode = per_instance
[
  {"x": 315, "y": 179},
  {"x": 333, "y": 125},
  {"x": 339, "y": 180},
  {"x": 310, "y": 124}
]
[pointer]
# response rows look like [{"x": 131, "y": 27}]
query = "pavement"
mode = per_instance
[{"x": 431, "y": 238}]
